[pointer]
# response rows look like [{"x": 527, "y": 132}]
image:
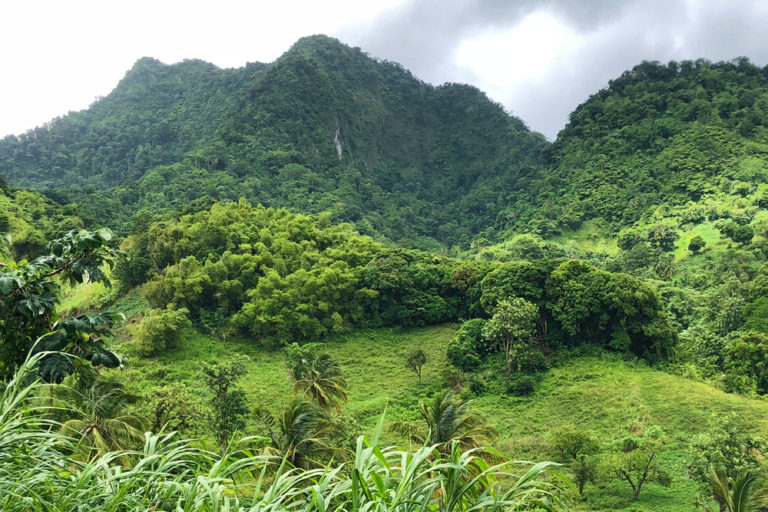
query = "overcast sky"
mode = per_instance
[{"x": 539, "y": 58}]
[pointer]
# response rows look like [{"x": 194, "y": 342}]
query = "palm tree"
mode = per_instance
[
  {"x": 447, "y": 420},
  {"x": 299, "y": 434},
  {"x": 94, "y": 414},
  {"x": 744, "y": 495},
  {"x": 320, "y": 380}
]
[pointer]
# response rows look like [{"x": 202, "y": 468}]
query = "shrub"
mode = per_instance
[
  {"x": 161, "y": 330},
  {"x": 468, "y": 346},
  {"x": 696, "y": 244},
  {"x": 521, "y": 385}
]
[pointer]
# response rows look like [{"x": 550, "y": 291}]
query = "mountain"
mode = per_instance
[
  {"x": 153, "y": 117},
  {"x": 325, "y": 127},
  {"x": 660, "y": 135}
]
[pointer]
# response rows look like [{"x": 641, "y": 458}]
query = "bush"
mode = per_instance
[
  {"x": 746, "y": 363},
  {"x": 570, "y": 442},
  {"x": 736, "y": 232},
  {"x": 477, "y": 385},
  {"x": 521, "y": 385},
  {"x": 161, "y": 330},
  {"x": 696, "y": 244},
  {"x": 468, "y": 346},
  {"x": 663, "y": 236}
]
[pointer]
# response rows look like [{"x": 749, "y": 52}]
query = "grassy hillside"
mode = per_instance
[{"x": 605, "y": 396}]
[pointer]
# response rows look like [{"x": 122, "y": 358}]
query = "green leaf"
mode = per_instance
[
  {"x": 54, "y": 367},
  {"x": 6, "y": 284}
]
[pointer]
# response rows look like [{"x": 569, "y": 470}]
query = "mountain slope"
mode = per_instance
[
  {"x": 657, "y": 135},
  {"x": 155, "y": 114},
  {"x": 327, "y": 128}
]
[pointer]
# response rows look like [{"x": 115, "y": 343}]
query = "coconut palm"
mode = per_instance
[
  {"x": 447, "y": 419},
  {"x": 320, "y": 380},
  {"x": 744, "y": 495},
  {"x": 299, "y": 434},
  {"x": 94, "y": 414}
]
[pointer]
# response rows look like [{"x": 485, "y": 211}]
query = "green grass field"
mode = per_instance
[{"x": 605, "y": 396}]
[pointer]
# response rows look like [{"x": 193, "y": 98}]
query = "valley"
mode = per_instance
[{"x": 326, "y": 243}]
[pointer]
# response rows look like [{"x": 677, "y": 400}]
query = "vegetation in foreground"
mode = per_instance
[
  {"x": 38, "y": 472},
  {"x": 638, "y": 238}
]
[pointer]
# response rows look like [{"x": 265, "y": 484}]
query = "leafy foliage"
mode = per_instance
[
  {"x": 637, "y": 464},
  {"x": 465, "y": 348},
  {"x": 300, "y": 434},
  {"x": 323, "y": 128},
  {"x": 511, "y": 328},
  {"x": 94, "y": 414},
  {"x": 320, "y": 380},
  {"x": 161, "y": 330},
  {"x": 228, "y": 403},
  {"x": 415, "y": 361},
  {"x": 727, "y": 447},
  {"x": 745, "y": 495},
  {"x": 29, "y": 294},
  {"x": 447, "y": 420},
  {"x": 155, "y": 115}
]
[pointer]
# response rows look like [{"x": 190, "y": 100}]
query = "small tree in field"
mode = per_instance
[
  {"x": 696, "y": 244},
  {"x": 637, "y": 464},
  {"x": 512, "y": 329},
  {"x": 584, "y": 471},
  {"x": 571, "y": 442},
  {"x": 415, "y": 361},
  {"x": 229, "y": 405}
]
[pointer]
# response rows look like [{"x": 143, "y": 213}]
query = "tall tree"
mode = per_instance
[
  {"x": 512, "y": 329},
  {"x": 229, "y": 406}
]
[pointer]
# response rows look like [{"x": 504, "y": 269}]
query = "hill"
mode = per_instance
[
  {"x": 32, "y": 219},
  {"x": 323, "y": 128},
  {"x": 659, "y": 136},
  {"x": 153, "y": 117},
  {"x": 630, "y": 395}
]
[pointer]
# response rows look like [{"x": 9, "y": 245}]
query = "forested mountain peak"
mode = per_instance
[
  {"x": 323, "y": 128},
  {"x": 155, "y": 114},
  {"x": 658, "y": 135},
  {"x": 326, "y": 127},
  {"x": 677, "y": 92}
]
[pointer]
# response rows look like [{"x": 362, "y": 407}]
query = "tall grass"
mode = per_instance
[{"x": 170, "y": 474}]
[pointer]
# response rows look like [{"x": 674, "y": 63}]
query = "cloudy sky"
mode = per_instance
[{"x": 539, "y": 58}]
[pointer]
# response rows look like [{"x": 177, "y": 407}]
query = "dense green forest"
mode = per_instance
[
  {"x": 344, "y": 288},
  {"x": 323, "y": 128},
  {"x": 155, "y": 115}
]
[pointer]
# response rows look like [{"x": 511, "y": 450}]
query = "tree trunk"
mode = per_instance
[{"x": 508, "y": 365}]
